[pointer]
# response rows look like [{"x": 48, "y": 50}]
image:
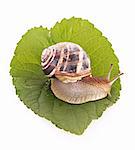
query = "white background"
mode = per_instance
[{"x": 20, "y": 128}]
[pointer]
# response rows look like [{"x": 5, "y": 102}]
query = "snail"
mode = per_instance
[{"x": 68, "y": 66}]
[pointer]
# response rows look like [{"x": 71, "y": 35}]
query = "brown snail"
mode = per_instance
[{"x": 73, "y": 82}]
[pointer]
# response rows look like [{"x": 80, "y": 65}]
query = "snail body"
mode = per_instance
[
  {"x": 68, "y": 66},
  {"x": 80, "y": 91}
]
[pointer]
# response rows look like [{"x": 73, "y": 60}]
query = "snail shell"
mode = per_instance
[{"x": 66, "y": 61}]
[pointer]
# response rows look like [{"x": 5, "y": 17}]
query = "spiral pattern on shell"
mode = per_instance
[{"x": 66, "y": 61}]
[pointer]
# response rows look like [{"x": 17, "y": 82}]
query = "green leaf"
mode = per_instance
[{"x": 33, "y": 87}]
